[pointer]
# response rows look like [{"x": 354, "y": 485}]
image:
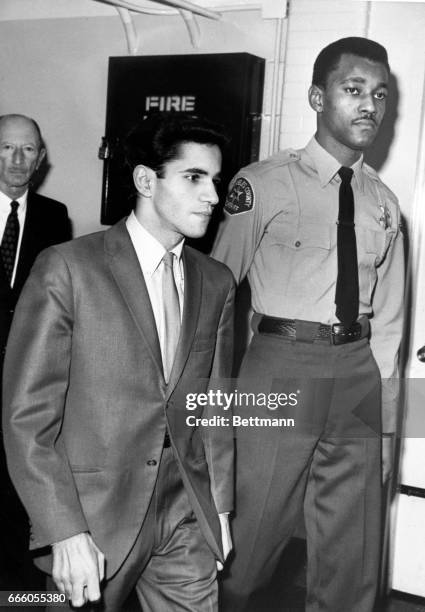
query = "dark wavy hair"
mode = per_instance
[{"x": 156, "y": 140}]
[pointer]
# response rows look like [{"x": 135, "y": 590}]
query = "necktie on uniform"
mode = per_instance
[
  {"x": 347, "y": 284},
  {"x": 9, "y": 241},
  {"x": 171, "y": 314}
]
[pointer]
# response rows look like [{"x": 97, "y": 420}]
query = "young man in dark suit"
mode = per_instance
[{"x": 113, "y": 332}]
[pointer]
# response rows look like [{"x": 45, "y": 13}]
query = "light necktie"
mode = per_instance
[
  {"x": 9, "y": 241},
  {"x": 347, "y": 284},
  {"x": 172, "y": 322}
]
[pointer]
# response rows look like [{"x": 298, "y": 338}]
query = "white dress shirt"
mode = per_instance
[
  {"x": 4, "y": 213},
  {"x": 150, "y": 253}
]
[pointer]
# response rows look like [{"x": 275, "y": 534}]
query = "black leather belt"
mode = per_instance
[
  {"x": 167, "y": 441},
  {"x": 310, "y": 331}
]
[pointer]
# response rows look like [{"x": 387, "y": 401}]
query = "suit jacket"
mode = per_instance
[
  {"x": 86, "y": 409},
  {"x": 46, "y": 223}
]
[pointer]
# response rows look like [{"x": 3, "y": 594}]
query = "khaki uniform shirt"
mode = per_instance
[{"x": 280, "y": 230}]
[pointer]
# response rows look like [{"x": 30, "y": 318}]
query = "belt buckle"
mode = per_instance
[{"x": 343, "y": 335}]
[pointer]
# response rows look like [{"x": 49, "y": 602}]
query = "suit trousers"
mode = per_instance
[
  {"x": 327, "y": 465},
  {"x": 170, "y": 564}
]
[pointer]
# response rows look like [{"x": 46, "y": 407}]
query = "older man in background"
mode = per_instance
[{"x": 29, "y": 222}]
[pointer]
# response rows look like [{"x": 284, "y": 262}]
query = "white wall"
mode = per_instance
[{"x": 400, "y": 27}]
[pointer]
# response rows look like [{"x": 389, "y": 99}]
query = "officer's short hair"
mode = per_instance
[
  {"x": 156, "y": 140},
  {"x": 329, "y": 57}
]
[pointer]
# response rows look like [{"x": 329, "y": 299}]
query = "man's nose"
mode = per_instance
[
  {"x": 368, "y": 104},
  {"x": 211, "y": 195},
  {"x": 18, "y": 156}
]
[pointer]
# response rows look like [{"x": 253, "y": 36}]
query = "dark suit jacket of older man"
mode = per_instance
[
  {"x": 87, "y": 406},
  {"x": 46, "y": 223}
]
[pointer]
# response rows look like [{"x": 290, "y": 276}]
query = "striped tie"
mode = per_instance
[{"x": 171, "y": 314}]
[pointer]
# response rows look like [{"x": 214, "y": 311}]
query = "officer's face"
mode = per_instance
[
  {"x": 351, "y": 106},
  {"x": 184, "y": 196},
  {"x": 20, "y": 154}
]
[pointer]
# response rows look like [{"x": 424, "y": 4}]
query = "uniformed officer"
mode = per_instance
[{"x": 317, "y": 234}]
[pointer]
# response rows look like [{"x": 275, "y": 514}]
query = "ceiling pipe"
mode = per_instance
[
  {"x": 130, "y": 30},
  {"x": 192, "y": 28},
  {"x": 178, "y": 4}
]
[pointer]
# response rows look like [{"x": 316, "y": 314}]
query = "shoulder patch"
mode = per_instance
[{"x": 241, "y": 197}]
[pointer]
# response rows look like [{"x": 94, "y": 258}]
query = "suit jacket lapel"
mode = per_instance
[
  {"x": 191, "y": 306},
  {"x": 126, "y": 270},
  {"x": 28, "y": 248}
]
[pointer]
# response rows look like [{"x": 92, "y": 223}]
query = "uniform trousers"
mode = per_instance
[
  {"x": 328, "y": 466},
  {"x": 170, "y": 565}
]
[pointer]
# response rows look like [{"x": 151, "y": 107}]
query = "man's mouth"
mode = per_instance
[
  {"x": 17, "y": 171},
  {"x": 365, "y": 121},
  {"x": 205, "y": 213}
]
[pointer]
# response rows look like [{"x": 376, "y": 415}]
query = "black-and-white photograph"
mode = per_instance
[{"x": 212, "y": 305}]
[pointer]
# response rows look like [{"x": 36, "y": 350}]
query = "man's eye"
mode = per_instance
[
  {"x": 217, "y": 182},
  {"x": 29, "y": 149},
  {"x": 354, "y": 91},
  {"x": 380, "y": 95},
  {"x": 194, "y": 178}
]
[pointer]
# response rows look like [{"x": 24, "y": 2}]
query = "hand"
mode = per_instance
[
  {"x": 78, "y": 568},
  {"x": 226, "y": 537},
  {"x": 387, "y": 458}
]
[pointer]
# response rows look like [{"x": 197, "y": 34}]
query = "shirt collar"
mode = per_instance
[
  {"x": 5, "y": 201},
  {"x": 149, "y": 250},
  {"x": 327, "y": 166}
]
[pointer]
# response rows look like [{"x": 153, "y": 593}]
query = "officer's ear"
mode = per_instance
[
  {"x": 315, "y": 98},
  {"x": 144, "y": 180}
]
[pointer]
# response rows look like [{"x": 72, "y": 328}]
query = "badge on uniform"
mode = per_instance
[
  {"x": 385, "y": 218},
  {"x": 240, "y": 198}
]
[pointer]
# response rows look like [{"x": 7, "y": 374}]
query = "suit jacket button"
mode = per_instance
[{"x": 151, "y": 462}]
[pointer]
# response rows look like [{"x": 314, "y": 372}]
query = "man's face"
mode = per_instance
[
  {"x": 20, "y": 155},
  {"x": 352, "y": 104},
  {"x": 184, "y": 196}
]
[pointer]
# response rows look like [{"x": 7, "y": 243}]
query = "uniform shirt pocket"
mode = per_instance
[
  {"x": 371, "y": 248},
  {"x": 377, "y": 244},
  {"x": 300, "y": 236}
]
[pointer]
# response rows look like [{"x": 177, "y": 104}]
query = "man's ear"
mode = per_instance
[
  {"x": 315, "y": 98},
  {"x": 144, "y": 179}
]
